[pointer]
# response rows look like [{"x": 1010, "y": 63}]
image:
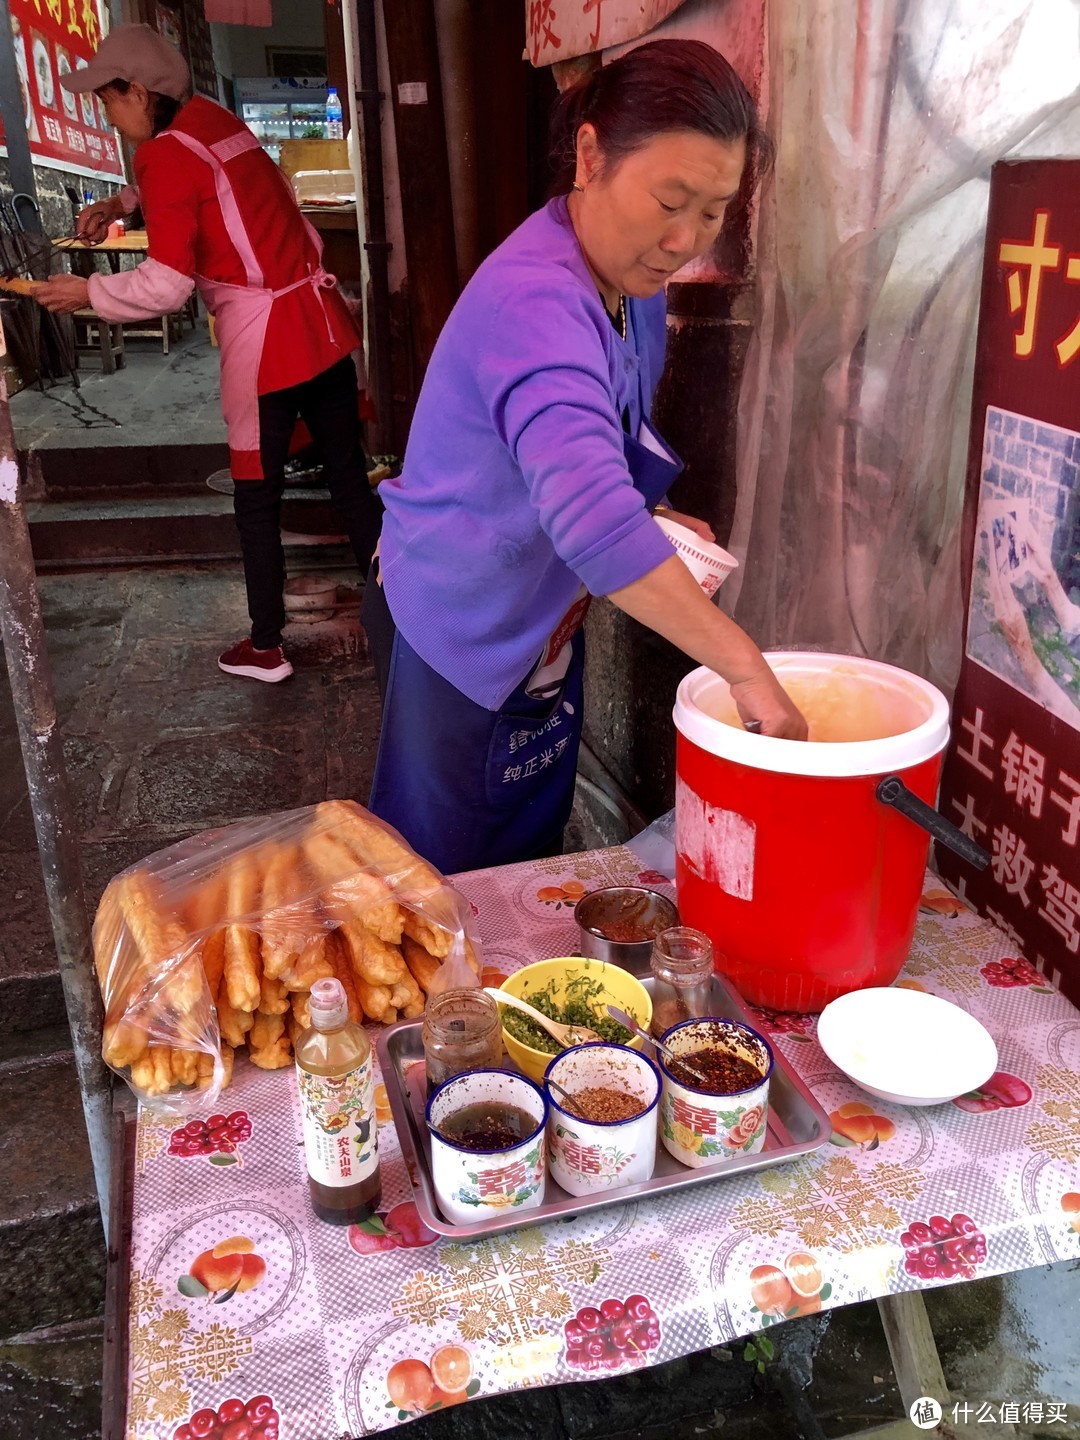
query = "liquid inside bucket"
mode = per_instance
[{"x": 839, "y": 705}]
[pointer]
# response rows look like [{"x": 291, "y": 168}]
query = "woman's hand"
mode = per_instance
[
  {"x": 762, "y": 699},
  {"x": 691, "y": 522},
  {"x": 92, "y": 223},
  {"x": 63, "y": 293}
]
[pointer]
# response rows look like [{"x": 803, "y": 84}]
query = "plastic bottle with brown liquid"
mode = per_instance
[{"x": 337, "y": 1101}]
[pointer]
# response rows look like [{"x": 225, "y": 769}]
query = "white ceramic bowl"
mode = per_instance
[
  {"x": 906, "y": 1046},
  {"x": 709, "y": 564},
  {"x": 474, "y": 1184},
  {"x": 698, "y": 1128},
  {"x": 586, "y": 1156}
]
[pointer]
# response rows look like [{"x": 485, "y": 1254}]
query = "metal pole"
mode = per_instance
[
  {"x": 27, "y": 658},
  {"x": 376, "y": 245}
]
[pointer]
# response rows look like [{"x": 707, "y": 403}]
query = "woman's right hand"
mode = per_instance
[
  {"x": 92, "y": 223},
  {"x": 763, "y": 700}
]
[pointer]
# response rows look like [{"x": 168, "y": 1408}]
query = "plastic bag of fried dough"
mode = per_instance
[{"x": 214, "y": 943}]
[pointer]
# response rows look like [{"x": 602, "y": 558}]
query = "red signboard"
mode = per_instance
[
  {"x": 1012, "y": 777},
  {"x": 67, "y": 132}
]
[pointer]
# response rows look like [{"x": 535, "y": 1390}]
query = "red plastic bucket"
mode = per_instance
[{"x": 806, "y": 883}]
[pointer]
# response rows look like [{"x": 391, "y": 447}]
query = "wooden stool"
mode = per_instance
[{"x": 101, "y": 335}]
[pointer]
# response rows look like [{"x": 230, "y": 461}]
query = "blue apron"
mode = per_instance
[{"x": 470, "y": 787}]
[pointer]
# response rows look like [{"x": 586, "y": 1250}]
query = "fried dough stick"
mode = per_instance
[
  {"x": 349, "y": 891},
  {"x": 242, "y": 960}
]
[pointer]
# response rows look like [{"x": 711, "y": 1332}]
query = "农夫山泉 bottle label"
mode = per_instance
[{"x": 340, "y": 1137}]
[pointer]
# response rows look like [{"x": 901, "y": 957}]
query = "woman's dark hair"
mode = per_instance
[
  {"x": 658, "y": 87},
  {"x": 163, "y": 109}
]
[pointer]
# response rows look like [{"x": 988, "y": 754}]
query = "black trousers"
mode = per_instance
[{"x": 328, "y": 406}]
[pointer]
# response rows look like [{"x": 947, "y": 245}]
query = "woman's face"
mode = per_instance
[
  {"x": 129, "y": 112},
  {"x": 660, "y": 207}
]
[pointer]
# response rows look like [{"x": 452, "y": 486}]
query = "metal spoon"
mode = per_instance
[
  {"x": 565, "y": 1096},
  {"x": 566, "y": 1035},
  {"x": 669, "y": 1055}
]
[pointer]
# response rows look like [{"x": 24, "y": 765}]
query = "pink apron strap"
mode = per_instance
[{"x": 234, "y": 222}]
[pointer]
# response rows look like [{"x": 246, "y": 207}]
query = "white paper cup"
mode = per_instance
[
  {"x": 708, "y": 563},
  {"x": 474, "y": 1184},
  {"x": 586, "y": 1156},
  {"x": 699, "y": 1128}
]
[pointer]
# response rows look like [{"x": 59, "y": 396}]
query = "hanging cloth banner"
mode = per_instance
[
  {"x": 564, "y": 29},
  {"x": 238, "y": 12},
  {"x": 67, "y": 132}
]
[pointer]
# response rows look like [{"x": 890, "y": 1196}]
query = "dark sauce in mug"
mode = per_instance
[
  {"x": 488, "y": 1126},
  {"x": 724, "y": 1073}
]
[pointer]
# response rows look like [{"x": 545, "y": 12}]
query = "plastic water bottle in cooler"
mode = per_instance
[{"x": 334, "y": 128}]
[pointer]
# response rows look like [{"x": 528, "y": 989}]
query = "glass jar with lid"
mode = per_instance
[
  {"x": 682, "y": 967},
  {"x": 462, "y": 1031}
]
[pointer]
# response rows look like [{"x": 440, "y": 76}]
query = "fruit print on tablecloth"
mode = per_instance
[
  {"x": 217, "y": 1139},
  {"x": 1003, "y": 1091},
  {"x": 399, "y": 1228},
  {"x": 231, "y": 1267},
  {"x": 857, "y": 1124},
  {"x": 276, "y": 1261},
  {"x": 234, "y": 1419},
  {"x": 784, "y": 1023},
  {"x": 788, "y": 1288},
  {"x": 420, "y": 1387},
  {"x": 612, "y": 1335},
  {"x": 1013, "y": 972},
  {"x": 943, "y": 1247}
]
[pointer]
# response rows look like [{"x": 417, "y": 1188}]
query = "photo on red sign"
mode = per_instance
[{"x": 1024, "y": 623}]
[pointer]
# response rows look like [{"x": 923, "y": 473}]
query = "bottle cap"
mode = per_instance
[{"x": 328, "y": 1005}]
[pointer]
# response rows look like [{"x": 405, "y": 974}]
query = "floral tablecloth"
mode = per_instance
[{"x": 250, "y": 1320}]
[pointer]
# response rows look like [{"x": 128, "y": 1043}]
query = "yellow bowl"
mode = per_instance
[{"x": 620, "y": 988}]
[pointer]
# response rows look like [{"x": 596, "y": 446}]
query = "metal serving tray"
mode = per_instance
[{"x": 797, "y": 1126}]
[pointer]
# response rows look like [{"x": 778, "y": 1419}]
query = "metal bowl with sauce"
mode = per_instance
[{"x": 620, "y": 922}]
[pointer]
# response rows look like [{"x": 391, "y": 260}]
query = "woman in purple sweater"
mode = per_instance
[{"x": 532, "y": 471}]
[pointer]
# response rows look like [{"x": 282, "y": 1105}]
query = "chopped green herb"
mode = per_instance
[{"x": 582, "y": 1005}]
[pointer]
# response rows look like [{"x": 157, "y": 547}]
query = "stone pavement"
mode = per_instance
[{"x": 159, "y": 744}]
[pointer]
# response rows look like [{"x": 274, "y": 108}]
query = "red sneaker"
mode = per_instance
[{"x": 244, "y": 659}]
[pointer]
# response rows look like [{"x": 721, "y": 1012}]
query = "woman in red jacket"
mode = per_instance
[{"x": 221, "y": 216}]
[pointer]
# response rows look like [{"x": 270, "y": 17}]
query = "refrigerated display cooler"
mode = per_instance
[{"x": 278, "y": 108}]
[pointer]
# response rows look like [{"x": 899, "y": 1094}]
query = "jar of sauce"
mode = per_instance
[
  {"x": 682, "y": 967},
  {"x": 462, "y": 1031}
]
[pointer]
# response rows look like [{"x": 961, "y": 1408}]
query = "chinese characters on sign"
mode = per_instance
[
  {"x": 69, "y": 132},
  {"x": 1012, "y": 776},
  {"x": 1035, "y": 257},
  {"x": 1020, "y": 774}
]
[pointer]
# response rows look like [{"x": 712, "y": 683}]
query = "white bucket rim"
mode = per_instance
[{"x": 829, "y": 759}]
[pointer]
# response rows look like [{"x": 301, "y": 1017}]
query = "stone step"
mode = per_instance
[
  {"x": 165, "y": 528},
  {"x": 52, "y": 1250},
  {"x": 90, "y": 465}
]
